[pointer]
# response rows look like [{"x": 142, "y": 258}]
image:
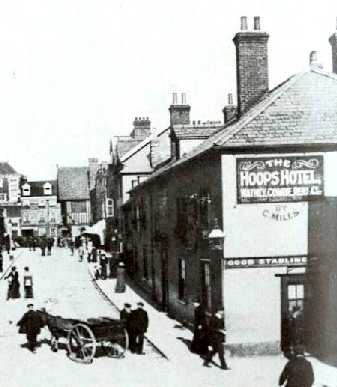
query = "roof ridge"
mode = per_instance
[{"x": 274, "y": 94}]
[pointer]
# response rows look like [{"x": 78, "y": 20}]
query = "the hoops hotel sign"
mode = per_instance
[{"x": 279, "y": 179}]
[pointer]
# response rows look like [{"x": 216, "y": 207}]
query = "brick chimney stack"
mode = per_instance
[
  {"x": 141, "y": 128},
  {"x": 179, "y": 113},
  {"x": 333, "y": 42},
  {"x": 251, "y": 64}
]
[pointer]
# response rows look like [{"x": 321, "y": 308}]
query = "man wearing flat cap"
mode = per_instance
[
  {"x": 31, "y": 324},
  {"x": 138, "y": 324}
]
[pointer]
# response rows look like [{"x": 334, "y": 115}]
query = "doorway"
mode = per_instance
[{"x": 292, "y": 301}]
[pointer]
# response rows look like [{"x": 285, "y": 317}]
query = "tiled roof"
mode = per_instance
[
  {"x": 302, "y": 110},
  {"x": 191, "y": 132},
  {"x": 36, "y": 187},
  {"x": 73, "y": 183},
  {"x": 124, "y": 144},
  {"x": 6, "y": 169}
]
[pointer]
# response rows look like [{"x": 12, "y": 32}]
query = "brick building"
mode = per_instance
[{"x": 255, "y": 175}]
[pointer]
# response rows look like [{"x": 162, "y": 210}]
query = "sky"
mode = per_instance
[{"x": 75, "y": 73}]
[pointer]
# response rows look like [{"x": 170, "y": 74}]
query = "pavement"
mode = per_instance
[
  {"x": 65, "y": 287},
  {"x": 172, "y": 339}
]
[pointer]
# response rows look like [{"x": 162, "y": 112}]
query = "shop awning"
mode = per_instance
[{"x": 97, "y": 229}]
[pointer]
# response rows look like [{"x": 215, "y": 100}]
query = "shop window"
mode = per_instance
[
  {"x": 181, "y": 279},
  {"x": 295, "y": 296},
  {"x": 145, "y": 264}
]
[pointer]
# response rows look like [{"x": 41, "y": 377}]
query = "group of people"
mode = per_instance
[
  {"x": 136, "y": 324},
  {"x": 12, "y": 278},
  {"x": 208, "y": 335},
  {"x": 46, "y": 244}
]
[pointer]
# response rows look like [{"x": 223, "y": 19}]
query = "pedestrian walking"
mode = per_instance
[
  {"x": 1, "y": 262},
  {"x": 216, "y": 339},
  {"x": 8, "y": 243},
  {"x": 103, "y": 262},
  {"x": 199, "y": 343},
  {"x": 13, "y": 284},
  {"x": 34, "y": 244},
  {"x": 298, "y": 372},
  {"x": 43, "y": 245},
  {"x": 28, "y": 283},
  {"x": 125, "y": 314},
  {"x": 120, "y": 283},
  {"x": 31, "y": 324},
  {"x": 138, "y": 325},
  {"x": 90, "y": 246},
  {"x": 50, "y": 243},
  {"x": 72, "y": 246}
]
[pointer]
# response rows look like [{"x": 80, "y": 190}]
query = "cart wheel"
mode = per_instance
[
  {"x": 117, "y": 346},
  {"x": 81, "y": 344}
]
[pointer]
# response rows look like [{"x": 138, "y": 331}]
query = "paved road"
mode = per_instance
[{"x": 63, "y": 286}]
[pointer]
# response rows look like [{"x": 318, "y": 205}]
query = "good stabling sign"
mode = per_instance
[
  {"x": 236, "y": 263},
  {"x": 279, "y": 179}
]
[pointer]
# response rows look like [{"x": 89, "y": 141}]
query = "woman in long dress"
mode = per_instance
[{"x": 13, "y": 284}]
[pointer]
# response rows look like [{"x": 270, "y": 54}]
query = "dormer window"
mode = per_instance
[
  {"x": 25, "y": 189},
  {"x": 47, "y": 189}
]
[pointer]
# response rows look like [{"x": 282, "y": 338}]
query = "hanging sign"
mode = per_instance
[
  {"x": 240, "y": 263},
  {"x": 279, "y": 179}
]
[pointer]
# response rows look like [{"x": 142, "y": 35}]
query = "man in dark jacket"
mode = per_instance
[
  {"x": 125, "y": 317},
  {"x": 138, "y": 324},
  {"x": 216, "y": 338},
  {"x": 31, "y": 324},
  {"x": 298, "y": 371},
  {"x": 199, "y": 341}
]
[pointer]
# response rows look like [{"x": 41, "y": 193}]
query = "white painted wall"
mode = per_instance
[
  {"x": 252, "y": 296},
  {"x": 252, "y": 305}
]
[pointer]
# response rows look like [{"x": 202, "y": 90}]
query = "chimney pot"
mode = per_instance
[
  {"x": 230, "y": 99},
  {"x": 257, "y": 24},
  {"x": 183, "y": 98},
  {"x": 175, "y": 99},
  {"x": 243, "y": 22}
]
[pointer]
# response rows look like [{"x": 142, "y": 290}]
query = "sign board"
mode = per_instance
[
  {"x": 279, "y": 179},
  {"x": 240, "y": 263}
]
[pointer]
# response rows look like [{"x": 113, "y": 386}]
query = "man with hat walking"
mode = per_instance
[
  {"x": 298, "y": 371},
  {"x": 138, "y": 324},
  {"x": 217, "y": 338},
  {"x": 125, "y": 317},
  {"x": 30, "y": 324}
]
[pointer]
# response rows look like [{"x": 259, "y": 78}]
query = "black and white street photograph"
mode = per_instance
[{"x": 168, "y": 193}]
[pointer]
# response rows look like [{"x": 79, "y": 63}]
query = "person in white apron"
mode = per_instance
[{"x": 28, "y": 283}]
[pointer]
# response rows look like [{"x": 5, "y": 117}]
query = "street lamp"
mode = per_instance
[
  {"x": 216, "y": 242},
  {"x": 216, "y": 237}
]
